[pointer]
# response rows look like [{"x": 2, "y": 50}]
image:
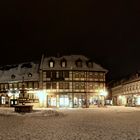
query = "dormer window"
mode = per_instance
[
  {"x": 79, "y": 63},
  {"x": 63, "y": 63},
  {"x": 90, "y": 64},
  {"x": 13, "y": 76},
  {"x": 29, "y": 75},
  {"x": 51, "y": 63}
]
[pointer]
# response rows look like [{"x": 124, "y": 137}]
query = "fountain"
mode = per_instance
[{"x": 21, "y": 107}]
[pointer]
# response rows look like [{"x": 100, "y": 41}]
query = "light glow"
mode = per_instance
[
  {"x": 41, "y": 94},
  {"x": 103, "y": 93},
  {"x": 138, "y": 100}
]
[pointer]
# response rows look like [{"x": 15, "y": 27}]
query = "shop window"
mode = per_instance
[{"x": 2, "y": 100}]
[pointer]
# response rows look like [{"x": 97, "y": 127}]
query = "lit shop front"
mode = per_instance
[
  {"x": 128, "y": 100},
  {"x": 4, "y": 99},
  {"x": 137, "y": 100},
  {"x": 74, "y": 100},
  {"x": 59, "y": 100}
]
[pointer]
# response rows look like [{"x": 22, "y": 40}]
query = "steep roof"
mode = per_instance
[
  {"x": 28, "y": 70},
  {"x": 70, "y": 59}
]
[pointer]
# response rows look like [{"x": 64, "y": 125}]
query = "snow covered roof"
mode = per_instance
[
  {"x": 28, "y": 70},
  {"x": 71, "y": 63}
]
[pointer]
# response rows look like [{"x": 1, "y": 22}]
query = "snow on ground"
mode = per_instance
[{"x": 110, "y": 123}]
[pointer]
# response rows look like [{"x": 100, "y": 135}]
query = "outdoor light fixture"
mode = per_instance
[{"x": 103, "y": 93}]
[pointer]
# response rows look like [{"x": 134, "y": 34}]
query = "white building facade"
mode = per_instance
[{"x": 127, "y": 92}]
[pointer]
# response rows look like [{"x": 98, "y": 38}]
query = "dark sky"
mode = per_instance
[{"x": 108, "y": 31}]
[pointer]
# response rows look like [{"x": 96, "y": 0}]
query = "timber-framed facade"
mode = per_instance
[{"x": 68, "y": 81}]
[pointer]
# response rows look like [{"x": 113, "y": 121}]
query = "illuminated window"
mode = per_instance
[
  {"x": 20, "y": 85},
  {"x": 15, "y": 85},
  {"x": 30, "y": 84},
  {"x": 51, "y": 63},
  {"x": 6, "y": 86},
  {"x": 25, "y": 85},
  {"x": 90, "y": 64},
  {"x": 29, "y": 75},
  {"x": 60, "y": 85},
  {"x": 10, "y": 86},
  {"x": 79, "y": 85},
  {"x": 63, "y": 63},
  {"x": 2, "y": 100},
  {"x": 76, "y": 75},
  {"x": 63, "y": 85}
]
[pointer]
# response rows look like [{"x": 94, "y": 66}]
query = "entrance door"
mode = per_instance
[
  {"x": 64, "y": 101},
  {"x": 52, "y": 101}
]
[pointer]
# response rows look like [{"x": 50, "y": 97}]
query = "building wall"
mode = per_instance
[
  {"x": 69, "y": 81},
  {"x": 78, "y": 85},
  {"x": 127, "y": 93}
]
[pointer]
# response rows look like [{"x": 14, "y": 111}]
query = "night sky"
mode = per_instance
[{"x": 106, "y": 31}]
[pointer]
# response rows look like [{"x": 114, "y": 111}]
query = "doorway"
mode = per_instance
[
  {"x": 63, "y": 101},
  {"x": 52, "y": 101}
]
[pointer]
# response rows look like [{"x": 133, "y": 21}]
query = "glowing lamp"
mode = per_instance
[{"x": 103, "y": 93}]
